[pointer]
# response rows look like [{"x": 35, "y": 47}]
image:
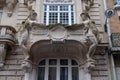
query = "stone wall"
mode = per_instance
[
  {"x": 12, "y": 69},
  {"x": 101, "y": 70}
]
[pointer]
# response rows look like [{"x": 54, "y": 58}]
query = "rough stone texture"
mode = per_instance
[
  {"x": 12, "y": 69},
  {"x": 101, "y": 71}
]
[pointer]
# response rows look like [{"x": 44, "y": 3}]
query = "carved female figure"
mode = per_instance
[{"x": 90, "y": 33}]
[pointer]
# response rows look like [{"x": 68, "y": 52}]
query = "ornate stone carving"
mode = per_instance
[
  {"x": 2, "y": 54},
  {"x": 87, "y": 5},
  {"x": 27, "y": 66},
  {"x": 10, "y": 6},
  {"x": 58, "y": 33},
  {"x": 92, "y": 34},
  {"x": 87, "y": 67},
  {"x": 30, "y": 4},
  {"x": 23, "y": 33}
]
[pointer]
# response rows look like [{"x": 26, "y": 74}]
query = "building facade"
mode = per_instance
[
  {"x": 54, "y": 40},
  {"x": 114, "y": 23}
]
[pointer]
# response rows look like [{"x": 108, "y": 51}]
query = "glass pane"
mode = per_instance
[
  {"x": 64, "y": 73},
  {"x": 64, "y": 18},
  {"x": 75, "y": 73},
  {"x": 52, "y": 62},
  {"x": 41, "y": 73},
  {"x": 53, "y": 8},
  {"x": 64, "y": 8},
  {"x": 63, "y": 62},
  {"x": 74, "y": 62},
  {"x": 117, "y": 60},
  {"x": 53, "y": 18},
  {"x": 42, "y": 62},
  {"x": 52, "y": 73}
]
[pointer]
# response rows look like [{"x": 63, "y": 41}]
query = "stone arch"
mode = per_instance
[{"x": 68, "y": 49}]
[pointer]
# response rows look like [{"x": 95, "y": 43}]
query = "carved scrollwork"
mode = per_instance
[{"x": 58, "y": 33}]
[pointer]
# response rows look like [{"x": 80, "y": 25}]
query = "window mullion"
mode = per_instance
[
  {"x": 58, "y": 14},
  {"x": 58, "y": 69},
  {"x": 69, "y": 70},
  {"x": 69, "y": 14},
  {"x": 46, "y": 70},
  {"x": 47, "y": 15}
]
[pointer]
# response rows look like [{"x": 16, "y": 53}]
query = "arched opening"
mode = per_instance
[{"x": 58, "y": 69}]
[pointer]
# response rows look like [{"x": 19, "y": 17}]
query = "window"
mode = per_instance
[
  {"x": 58, "y": 69},
  {"x": 63, "y": 14},
  {"x": 117, "y": 2},
  {"x": 116, "y": 60}
]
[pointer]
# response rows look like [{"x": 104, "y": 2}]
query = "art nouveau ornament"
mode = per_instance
[{"x": 58, "y": 33}]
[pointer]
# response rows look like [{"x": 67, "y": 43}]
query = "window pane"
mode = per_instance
[
  {"x": 42, "y": 62},
  {"x": 53, "y": 8},
  {"x": 41, "y": 72},
  {"x": 64, "y": 18},
  {"x": 53, "y": 17},
  {"x": 45, "y": 17},
  {"x": 117, "y": 60},
  {"x": 63, "y": 62},
  {"x": 64, "y": 73},
  {"x": 75, "y": 73},
  {"x": 52, "y": 62},
  {"x": 52, "y": 73},
  {"x": 74, "y": 62},
  {"x": 64, "y": 8},
  {"x": 72, "y": 17}
]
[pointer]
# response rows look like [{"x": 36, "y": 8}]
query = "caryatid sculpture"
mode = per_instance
[
  {"x": 92, "y": 35},
  {"x": 10, "y": 6}
]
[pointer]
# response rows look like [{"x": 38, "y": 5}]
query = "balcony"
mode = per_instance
[{"x": 7, "y": 35}]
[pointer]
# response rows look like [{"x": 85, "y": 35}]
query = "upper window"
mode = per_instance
[
  {"x": 58, "y": 69},
  {"x": 116, "y": 60},
  {"x": 62, "y": 14}
]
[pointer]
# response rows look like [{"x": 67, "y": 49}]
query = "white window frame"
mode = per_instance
[
  {"x": 58, "y": 66},
  {"x": 69, "y": 12}
]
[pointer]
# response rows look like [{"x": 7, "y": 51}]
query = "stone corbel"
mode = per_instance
[
  {"x": 27, "y": 66},
  {"x": 2, "y": 54},
  {"x": 10, "y": 6},
  {"x": 87, "y": 68}
]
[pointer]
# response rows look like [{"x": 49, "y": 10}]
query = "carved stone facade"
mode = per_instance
[{"x": 31, "y": 40}]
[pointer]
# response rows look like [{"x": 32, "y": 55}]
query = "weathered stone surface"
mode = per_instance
[
  {"x": 2, "y": 78},
  {"x": 13, "y": 78}
]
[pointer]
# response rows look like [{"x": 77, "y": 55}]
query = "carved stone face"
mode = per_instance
[{"x": 83, "y": 16}]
